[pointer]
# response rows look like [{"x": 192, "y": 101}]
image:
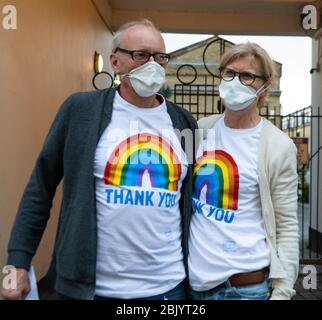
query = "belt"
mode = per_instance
[{"x": 246, "y": 278}]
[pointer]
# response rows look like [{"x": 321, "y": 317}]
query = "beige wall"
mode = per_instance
[{"x": 47, "y": 58}]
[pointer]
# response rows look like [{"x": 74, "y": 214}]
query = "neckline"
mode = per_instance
[
  {"x": 242, "y": 131},
  {"x": 133, "y": 107}
]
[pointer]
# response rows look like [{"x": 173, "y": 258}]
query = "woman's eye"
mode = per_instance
[{"x": 247, "y": 76}]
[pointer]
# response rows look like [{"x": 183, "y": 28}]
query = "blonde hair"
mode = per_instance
[
  {"x": 260, "y": 54},
  {"x": 128, "y": 25}
]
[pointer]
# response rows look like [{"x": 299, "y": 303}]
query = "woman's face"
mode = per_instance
[{"x": 248, "y": 64}]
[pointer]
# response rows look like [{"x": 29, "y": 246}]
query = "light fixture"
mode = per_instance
[
  {"x": 98, "y": 62},
  {"x": 99, "y": 73}
]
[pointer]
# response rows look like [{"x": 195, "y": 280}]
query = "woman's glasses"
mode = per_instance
[{"x": 246, "y": 78}]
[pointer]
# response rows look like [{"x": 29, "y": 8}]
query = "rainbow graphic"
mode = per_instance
[
  {"x": 219, "y": 172},
  {"x": 138, "y": 154}
]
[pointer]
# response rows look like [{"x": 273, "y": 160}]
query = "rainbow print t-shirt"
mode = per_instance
[
  {"x": 139, "y": 168},
  {"x": 227, "y": 233}
]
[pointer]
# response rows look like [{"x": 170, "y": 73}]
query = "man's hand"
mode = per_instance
[{"x": 22, "y": 289}]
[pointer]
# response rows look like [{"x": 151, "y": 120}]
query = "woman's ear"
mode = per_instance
[
  {"x": 262, "y": 99},
  {"x": 269, "y": 82}
]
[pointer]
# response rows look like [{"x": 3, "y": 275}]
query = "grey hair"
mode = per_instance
[{"x": 118, "y": 33}]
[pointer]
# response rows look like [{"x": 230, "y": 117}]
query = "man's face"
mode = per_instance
[{"x": 139, "y": 38}]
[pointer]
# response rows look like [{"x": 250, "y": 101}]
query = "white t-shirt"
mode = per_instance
[
  {"x": 139, "y": 168},
  {"x": 227, "y": 234}
]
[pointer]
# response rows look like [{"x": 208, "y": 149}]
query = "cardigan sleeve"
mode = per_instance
[
  {"x": 284, "y": 199},
  {"x": 34, "y": 209}
]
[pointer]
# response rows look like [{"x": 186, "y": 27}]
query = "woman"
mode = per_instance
[{"x": 244, "y": 231}]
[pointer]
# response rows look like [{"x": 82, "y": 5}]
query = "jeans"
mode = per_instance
[
  {"x": 258, "y": 291},
  {"x": 177, "y": 293}
]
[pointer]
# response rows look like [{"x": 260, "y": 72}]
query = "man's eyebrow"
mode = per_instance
[{"x": 146, "y": 50}]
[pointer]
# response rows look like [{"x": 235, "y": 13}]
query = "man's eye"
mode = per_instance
[{"x": 141, "y": 55}]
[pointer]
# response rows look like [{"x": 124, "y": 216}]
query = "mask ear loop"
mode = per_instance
[
  {"x": 117, "y": 80},
  {"x": 128, "y": 74},
  {"x": 262, "y": 89}
]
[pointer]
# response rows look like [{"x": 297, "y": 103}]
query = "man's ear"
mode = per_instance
[{"x": 114, "y": 62}]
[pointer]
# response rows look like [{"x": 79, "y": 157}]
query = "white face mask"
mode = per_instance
[
  {"x": 237, "y": 96},
  {"x": 147, "y": 79}
]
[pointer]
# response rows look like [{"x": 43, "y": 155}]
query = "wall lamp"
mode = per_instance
[
  {"x": 98, "y": 69},
  {"x": 98, "y": 62}
]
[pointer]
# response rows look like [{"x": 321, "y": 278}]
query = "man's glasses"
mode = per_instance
[
  {"x": 246, "y": 78},
  {"x": 143, "y": 56}
]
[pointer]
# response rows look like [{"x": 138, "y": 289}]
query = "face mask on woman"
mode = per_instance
[
  {"x": 237, "y": 96},
  {"x": 147, "y": 79}
]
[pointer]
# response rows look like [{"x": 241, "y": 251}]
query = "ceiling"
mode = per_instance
[
  {"x": 256, "y": 17},
  {"x": 254, "y": 6}
]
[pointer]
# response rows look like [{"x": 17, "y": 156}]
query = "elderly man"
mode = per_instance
[{"x": 126, "y": 209}]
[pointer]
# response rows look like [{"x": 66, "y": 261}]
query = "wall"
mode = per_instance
[{"x": 47, "y": 58}]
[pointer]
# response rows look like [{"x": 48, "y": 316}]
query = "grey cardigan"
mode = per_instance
[{"x": 68, "y": 153}]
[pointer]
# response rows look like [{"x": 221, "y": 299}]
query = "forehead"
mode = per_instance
[
  {"x": 246, "y": 63},
  {"x": 142, "y": 38}
]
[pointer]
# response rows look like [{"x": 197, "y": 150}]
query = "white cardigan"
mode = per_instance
[{"x": 278, "y": 192}]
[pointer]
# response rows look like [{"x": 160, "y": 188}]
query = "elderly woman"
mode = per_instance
[{"x": 244, "y": 230}]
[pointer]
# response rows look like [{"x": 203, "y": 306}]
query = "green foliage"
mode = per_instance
[
  {"x": 166, "y": 91},
  {"x": 303, "y": 192}
]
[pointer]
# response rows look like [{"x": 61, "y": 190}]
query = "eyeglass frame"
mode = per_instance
[
  {"x": 131, "y": 52},
  {"x": 255, "y": 76}
]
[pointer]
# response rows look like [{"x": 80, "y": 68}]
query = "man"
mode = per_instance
[{"x": 126, "y": 209}]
